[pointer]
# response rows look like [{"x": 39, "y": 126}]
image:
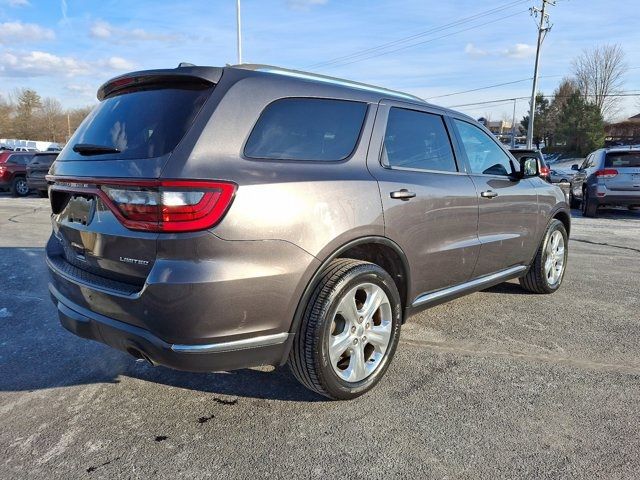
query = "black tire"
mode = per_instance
[
  {"x": 309, "y": 357},
  {"x": 535, "y": 280},
  {"x": 19, "y": 187},
  {"x": 589, "y": 207},
  {"x": 573, "y": 201},
  {"x": 43, "y": 193}
]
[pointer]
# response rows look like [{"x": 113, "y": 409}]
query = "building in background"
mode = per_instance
[{"x": 626, "y": 132}]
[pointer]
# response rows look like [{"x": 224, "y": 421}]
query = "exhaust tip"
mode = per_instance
[{"x": 140, "y": 355}]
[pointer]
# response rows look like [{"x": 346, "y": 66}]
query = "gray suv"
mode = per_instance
[
  {"x": 609, "y": 176},
  {"x": 219, "y": 218}
]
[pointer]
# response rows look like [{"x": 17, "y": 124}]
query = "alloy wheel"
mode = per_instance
[
  {"x": 21, "y": 187},
  {"x": 360, "y": 332},
  {"x": 554, "y": 262}
]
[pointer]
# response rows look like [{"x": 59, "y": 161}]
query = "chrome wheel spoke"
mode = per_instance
[
  {"x": 379, "y": 336},
  {"x": 375, "y": 296},
  {"x": 347, "y": 307},
  {"x": 357, "y": 369},
  {"x": 339, "y": 344}
]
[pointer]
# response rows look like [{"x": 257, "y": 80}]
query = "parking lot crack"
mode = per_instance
[
  {"x": 554, "y": 359},
  {"x": 603, "y": 244}
]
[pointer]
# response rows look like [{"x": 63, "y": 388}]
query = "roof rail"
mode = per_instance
[{"x": 326, "y": 79}]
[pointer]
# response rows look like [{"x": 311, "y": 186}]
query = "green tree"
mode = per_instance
[
  {"x": 542, "y": 130},
  {"x": 28, "y": 106},
  {"x": 580, "y": 125}
]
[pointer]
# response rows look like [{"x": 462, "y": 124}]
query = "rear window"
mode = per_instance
[
  {"x": 141, "y": 123},
  {"x": 622, "y": 159},
  {"x": 43, "y": 159},
  {"x": 313, "y": 129}
]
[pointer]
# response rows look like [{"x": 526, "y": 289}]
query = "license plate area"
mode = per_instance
[{"x": 79, "y": 210}]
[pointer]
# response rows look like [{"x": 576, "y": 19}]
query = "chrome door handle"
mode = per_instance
[
  {"x": 403, "y": 194},
  {"x": 489, "y": 194}
]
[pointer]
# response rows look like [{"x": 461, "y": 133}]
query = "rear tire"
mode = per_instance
[
  {"x": 589, "y": 207},
  {"x": 543, "y": 275},
  {"x": 19, "y": 187},
  {"x": 331, "y": 353}
]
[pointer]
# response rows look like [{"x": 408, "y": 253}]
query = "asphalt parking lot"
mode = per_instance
[{"x": 497, "y": 384}]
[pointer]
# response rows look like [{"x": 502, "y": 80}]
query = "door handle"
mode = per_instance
[
  {"x": 489, "y": 194},
  {"x": 403, "y": 194}
]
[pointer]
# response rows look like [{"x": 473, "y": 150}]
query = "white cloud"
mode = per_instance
[
  {"x": 517, "y": 51},
  {"x": 81, "y": 89},
  {"x": 104, "y": 30},
  {"x": 38, "y": 63},
  {"x": 17, "y": 3},
  {"x": 18, "y": 32},
  {"x": 520, "y": 50},
  {"x": 305, "y": 4},
  {"x": 474, "y": 51}
]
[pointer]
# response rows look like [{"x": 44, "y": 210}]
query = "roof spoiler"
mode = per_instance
[{"x": 186, "y": 74}]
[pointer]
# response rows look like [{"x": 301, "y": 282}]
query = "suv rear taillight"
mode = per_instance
[
  {"x": 606, "y": 173},
  {"x": 159, "y": 205},
  {"x": 545, "y": 172}
]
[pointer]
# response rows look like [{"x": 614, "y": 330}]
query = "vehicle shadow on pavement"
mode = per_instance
[{"x": 37, "y": 353}]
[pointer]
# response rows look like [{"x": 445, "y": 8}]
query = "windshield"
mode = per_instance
[
  {"x": 622, "y": 159},
  {"x": 140, "y": 123}
]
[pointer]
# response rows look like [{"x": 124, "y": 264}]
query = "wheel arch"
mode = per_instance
[{"x": 368, "y": 248}]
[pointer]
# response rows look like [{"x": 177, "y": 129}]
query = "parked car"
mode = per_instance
[
  {"x": 607, "y": 177},
  {"x": 545, "y": 172},
  {"x": 24, "y": 149},
  {"x": 559, "y": 175},
  {"x": 36, "y": 171},
  {"x": 251, "y": 215},
  {"x": 13, "y": 172}
]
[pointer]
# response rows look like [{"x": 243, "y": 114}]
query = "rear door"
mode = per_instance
[
  {"x": 508, "y": 207},
  {"x": 430, "y": 203},
  {"x": 624, "y": 167}
]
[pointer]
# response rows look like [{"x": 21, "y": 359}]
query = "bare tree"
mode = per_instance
[
  {"x": 599, "y": 74},
  {"x": 6, "y": 111}
]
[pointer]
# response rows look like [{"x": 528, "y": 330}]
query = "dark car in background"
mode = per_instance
[
  {"x": 607, "y": 177},
  {"x": 545, "y": 172},
  {"x": 13, "y": 172},
  {"x": 37, "y": 169}
]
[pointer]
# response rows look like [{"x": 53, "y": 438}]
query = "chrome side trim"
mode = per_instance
[
  {"x": 478, "y": 282},
  {"x": 255, "y": 342}
]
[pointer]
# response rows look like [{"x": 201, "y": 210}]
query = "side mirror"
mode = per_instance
[
  {"x": 575, "y": 166},
  {"x": 529, "y": 167}
]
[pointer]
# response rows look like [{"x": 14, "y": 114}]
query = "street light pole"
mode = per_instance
[
  {"x": 542, "y": 29},
  {"x": 239, "y": 31},
  {"x": 513, "y": 125}
]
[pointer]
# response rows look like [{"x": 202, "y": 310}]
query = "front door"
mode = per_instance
[
  {"x": 508, "y": 206},
  {"x": 430, "y": 203}
]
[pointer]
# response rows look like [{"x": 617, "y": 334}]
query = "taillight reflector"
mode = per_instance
[
  {"x": 606, "y": 173},
  {"x": 159, "y": 205}
]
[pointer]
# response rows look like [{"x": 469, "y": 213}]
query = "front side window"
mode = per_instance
[
  {"x": 485, "y": 156},
  {"x": 417, "y": 140},
  {"x": 314, "y": 129}
]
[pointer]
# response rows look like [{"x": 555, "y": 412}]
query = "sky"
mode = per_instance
[{"x": 67, "y": 48}]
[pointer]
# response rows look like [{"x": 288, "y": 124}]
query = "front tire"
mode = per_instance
[
  {"x": 547, "y": 269},
  {"x": 589, "y": 207},
  {"x": 573, "y": 201},
  {"x": 349, "y": 331},
  {"x": 19, "y": 187}
]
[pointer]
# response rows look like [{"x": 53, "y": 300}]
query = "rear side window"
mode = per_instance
[
  {"x": 315, "y": 129},
  {"x": 417, "y": 140},
  {"x": 19, "y": 159},
  {"x": 622, "y": 159},
  {"x": 484, "y": 154},
  {"x": 43, "y": 159},
  {"x": 142, "y": 123}
]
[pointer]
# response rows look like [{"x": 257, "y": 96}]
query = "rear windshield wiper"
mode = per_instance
[{"x": 89, "y": 149}]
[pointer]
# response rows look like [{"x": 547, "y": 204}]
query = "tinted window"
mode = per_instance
[
  {"x": 417, "y": 140},
  {"x": 43, "y": 159},
  {"x": 19, "y": 159},
  {"x": 588, "y": 162},
  {"x": 622, "y": 159},
  {"x": 307, "y": 129},
  {"x": 485, "y": 156},
  {"x": 141, "y": 123}
]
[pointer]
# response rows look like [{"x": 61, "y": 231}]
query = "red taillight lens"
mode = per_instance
[
  {"x": 606, "y": 173},
  {"x": 545, "y": 171},
  {"x": 170, "y": 205}
]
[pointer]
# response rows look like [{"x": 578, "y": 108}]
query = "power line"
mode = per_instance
[
  {"x": 351, "y": 58},
  {"x": 490, "y": 86},
  {"x": 627, "y": 93}
]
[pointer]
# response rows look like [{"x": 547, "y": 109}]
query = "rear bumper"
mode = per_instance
[
  {"x": 37, "y": 183},
  {"x": 140, "y": 343},
  {"x": 604, "y": 196}
]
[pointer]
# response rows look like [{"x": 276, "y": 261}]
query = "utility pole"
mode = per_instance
[
  {"x": 239, "y": 31},
  {"x": 543, "y": 28},
  {"x": 513, "y": 125},
  {"x": 68, "y": 126}
]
